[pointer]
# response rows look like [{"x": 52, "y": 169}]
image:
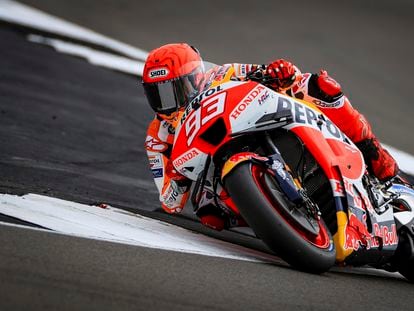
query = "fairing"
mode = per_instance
[{"x": 243, "y": 106}]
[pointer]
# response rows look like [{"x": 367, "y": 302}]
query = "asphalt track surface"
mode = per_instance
[
  {"x": 92, "y": 275},
  {"x": 75, "y": 131}
]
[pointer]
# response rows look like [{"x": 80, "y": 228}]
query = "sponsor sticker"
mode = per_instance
[
  {"x": 304, "y": 115},
  {"x": 195, "y": 103},
  {"x": 389, "y": 235},
  {"x": 302, "y": 83},
  {"x": 264, "y": 98},
  {"x": 158, "y": 73},
  {"x": 155, "y": 145},
  {"x": 336, "y": 104},
  {"x": 243, "y": 70},
  {"x": 170, "y": 128},
  {"x": 170, "y": 198},
  {"x": 192, "y": 153},
  {"x": 279, "y": 168},
  {"x": 155, "y": 161},
  {"x": 246, "y": 101},
  {"x": 157, "y": 173},
  {"x": 238, "y": 158}
]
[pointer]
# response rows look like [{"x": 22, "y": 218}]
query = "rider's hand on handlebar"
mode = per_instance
[{"x": 282, "y": 74}]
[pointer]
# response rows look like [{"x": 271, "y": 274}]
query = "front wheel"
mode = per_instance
[{"x": 271, "y": 216}]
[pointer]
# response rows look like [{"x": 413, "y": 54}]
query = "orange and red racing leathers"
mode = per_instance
[
  {"x": 327, "y": 95},
  {"x": 314, "y": 88}
]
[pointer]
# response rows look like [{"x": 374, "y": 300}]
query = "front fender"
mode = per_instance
[{"x": 238, "y": 158}]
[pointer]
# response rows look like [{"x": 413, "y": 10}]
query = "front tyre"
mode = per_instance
[{"x": 265, "y": 212}]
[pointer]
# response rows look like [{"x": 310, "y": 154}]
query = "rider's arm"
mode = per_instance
[
  {"x": 174, "y": 190},
  {"x": 324, "y": 92},
  {"x": 327, "y": 95},
  {"x": 241, "y": 70}
]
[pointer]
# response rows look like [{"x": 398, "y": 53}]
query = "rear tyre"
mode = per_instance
[
  {"x": 404, "y": 255},
  {"x": 265, "y": 210}
]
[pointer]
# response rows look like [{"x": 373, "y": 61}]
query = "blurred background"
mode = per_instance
[
  {"x": 366, "y": 45},
  {"x": 72, "y": 130}
]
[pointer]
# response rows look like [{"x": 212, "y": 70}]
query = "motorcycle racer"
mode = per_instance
[{"x": 174, "y": 74}]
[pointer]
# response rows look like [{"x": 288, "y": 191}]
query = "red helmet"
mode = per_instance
[{"x": 172, "y": 75}]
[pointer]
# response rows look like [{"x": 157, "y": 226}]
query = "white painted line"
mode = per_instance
[
  {"x": 116, "y": 225},
  {"x": 14, "y": 12},
  {"x": 95, "y": 57}
]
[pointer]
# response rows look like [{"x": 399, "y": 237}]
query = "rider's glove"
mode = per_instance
[
  {"x": 281, "y": 74},
  {"x": 180, "y": 180}
]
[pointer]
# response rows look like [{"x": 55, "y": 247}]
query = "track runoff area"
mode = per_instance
[{"x": 104, "y": 222}]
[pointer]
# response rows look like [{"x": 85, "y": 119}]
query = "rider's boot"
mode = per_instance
[
  {"x": 380, "y": 163},
  {"x": 213, "y": 221},
  {"x": 213, "y": 217},
  {"x": 404, "y": 178}
]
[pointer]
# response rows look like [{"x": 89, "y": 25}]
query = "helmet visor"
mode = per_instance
[{"x": 167, "y": 96}]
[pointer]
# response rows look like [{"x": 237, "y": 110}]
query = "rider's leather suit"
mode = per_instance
[{"x": 160, "y": 134}]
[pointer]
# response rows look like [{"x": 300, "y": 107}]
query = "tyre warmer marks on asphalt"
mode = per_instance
[{"x": 116, "y": 225}]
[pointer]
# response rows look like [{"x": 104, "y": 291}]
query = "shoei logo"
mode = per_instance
[{"x": 157, "y": 73}]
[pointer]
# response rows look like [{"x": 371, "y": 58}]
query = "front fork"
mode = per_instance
[
  {"x": 291, "y": 187},
  {"x": 275, "y": 163}
]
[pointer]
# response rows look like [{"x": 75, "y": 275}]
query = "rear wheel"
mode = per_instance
[
  {"x": 292, "y": 232},
  {"x": 404, "y": 256}
]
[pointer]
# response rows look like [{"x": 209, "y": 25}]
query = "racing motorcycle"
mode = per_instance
[{"x": 302, "y": 186}]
